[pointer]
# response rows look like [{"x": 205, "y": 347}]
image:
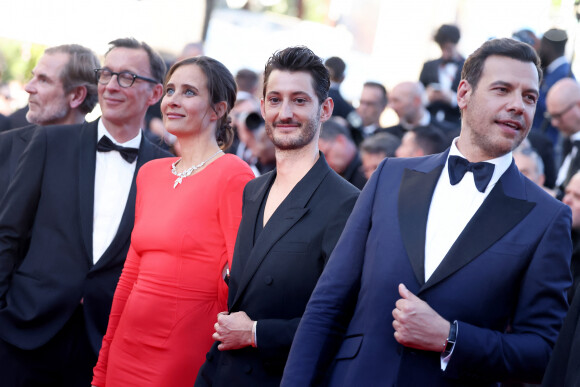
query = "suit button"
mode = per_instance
[
  {"x": 268, "y": 280},
  {"x": 248, "y": 369}
]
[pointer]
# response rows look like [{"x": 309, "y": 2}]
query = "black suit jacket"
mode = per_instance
[
  {"x": 430, "y": 74},
  {"x": 12, "y": 144},
  {"x": 564, "y": 367},
  {"x": 51, "y": 198},
  {"x": 341, "y": 107},
  {"x": 272, "y": 279}
]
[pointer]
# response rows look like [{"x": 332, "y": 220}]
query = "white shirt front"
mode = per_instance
[
  {"x": 113, "y": 179},
  {"x": 453, "y": 206}
]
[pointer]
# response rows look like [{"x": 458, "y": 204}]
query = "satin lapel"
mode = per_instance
[
  {"x": 128, "y": 219},
  {"x": 414, "y": 200},
  {"x": 290, "y": 211},
  {"x": 87, "y": 163},
  {"x": 484, "y": 229},
  {"x": 245, "y": 238}
]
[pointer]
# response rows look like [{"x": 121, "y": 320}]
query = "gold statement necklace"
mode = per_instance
[{"x": 189, "y": 171}]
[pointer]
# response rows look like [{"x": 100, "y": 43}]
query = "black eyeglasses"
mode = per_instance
[
  {"x": 124, "y": 78},
  {"x": 557, "y": 116}
]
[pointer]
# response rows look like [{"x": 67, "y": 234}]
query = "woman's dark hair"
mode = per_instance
[{"x": 221, "y": 87}]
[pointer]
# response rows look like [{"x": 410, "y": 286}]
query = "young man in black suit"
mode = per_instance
[
  {"x": 73, "y": 193},
  {"x": 292, "y": 218}
]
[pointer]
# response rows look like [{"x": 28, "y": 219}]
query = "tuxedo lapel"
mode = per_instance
[
  {"x": 87, "y": 164},
  {"x": 484, "y": 229},
  {"x": 414, "y": 200},
  {"x": 290, "y": 211}
]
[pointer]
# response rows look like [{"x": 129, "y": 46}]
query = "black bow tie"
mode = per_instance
[
  {"x": 482, "y": 171},
  {"x": 106, "y": 145}
]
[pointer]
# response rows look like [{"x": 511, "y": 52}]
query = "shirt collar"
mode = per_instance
[
  {"x": 556, "y": 63},
  {"x": 133, "y": 143},
  {"x": 501, "y": 163},
  {"x": 575, "y": 137}
]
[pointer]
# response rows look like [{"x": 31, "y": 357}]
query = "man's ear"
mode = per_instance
[
  {"x": 464, "y": 91},
  {"x": 326, "y": 109},
  {"x": 156, "y": 94},
  {"x": 77, "y": 96}
]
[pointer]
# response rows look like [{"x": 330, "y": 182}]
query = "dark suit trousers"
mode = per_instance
[{"x": 67, "y": 360}]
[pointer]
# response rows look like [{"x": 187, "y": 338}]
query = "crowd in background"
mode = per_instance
[{"x": 353, "y": 143}]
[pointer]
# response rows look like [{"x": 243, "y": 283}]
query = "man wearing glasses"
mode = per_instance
[
  {"x": 74, "y": 192},
  {"x": 563, "y": 111}
]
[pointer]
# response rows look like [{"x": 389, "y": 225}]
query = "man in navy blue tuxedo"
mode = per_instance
[{"x": 452, "y": 268}]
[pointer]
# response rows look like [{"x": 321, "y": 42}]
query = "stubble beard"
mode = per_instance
[
  {"x": 47, "y": 116},
  {"x": 304, "y": 136}
]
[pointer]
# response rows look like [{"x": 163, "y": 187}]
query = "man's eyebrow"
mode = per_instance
[{"x": 509, "y": 85}]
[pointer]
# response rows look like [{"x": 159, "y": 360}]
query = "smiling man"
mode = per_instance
[
  {"x": 73, "y": 193},
  {"x": 453, "y": 268},
  {"x": 291, "y": 220}
]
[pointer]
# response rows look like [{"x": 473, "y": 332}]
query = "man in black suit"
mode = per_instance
[
  {"x": 74, "y": 193},
  {"x": 408, "y": 100},
  {"x": 61, "y": 92},
  {"x": 373, "y": 101},
  {"x": 336, "y": 68},
  {"x": 563, "y": 105},
  {"x": 291, "y": 220},
  {"x": 341, "y": 152},
  {"x": 441, "y": 76}
]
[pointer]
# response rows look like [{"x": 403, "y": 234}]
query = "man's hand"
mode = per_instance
[
  {"x": 233, "y": 330},
  {"x": 417, "y": 325}
]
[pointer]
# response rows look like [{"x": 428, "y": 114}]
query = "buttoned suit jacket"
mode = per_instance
[
  {"x": 51, "y": 198},
  {"x": 12, "y": 144},
  {"x": 272, "y": 279},
  {"x": 503, "y": 280}
]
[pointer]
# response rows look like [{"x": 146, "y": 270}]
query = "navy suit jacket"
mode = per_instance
[
  {"x": 273, "y": 278},
  {"x": 504, "y": 281},
  {"x": 50, "y": 200}
]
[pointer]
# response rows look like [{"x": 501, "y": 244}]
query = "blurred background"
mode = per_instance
[{"x": 380, "y": 40}]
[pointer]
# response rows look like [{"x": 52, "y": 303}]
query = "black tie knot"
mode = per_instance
[
  {"x": 482, "y": 171},
  {"x": 106, "y": 145}
]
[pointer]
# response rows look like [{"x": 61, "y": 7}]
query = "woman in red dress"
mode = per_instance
[{"x": 187, "y": 215}]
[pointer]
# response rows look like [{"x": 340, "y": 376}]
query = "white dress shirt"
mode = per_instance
[
  {"x": 453, "y": 206},
  {"x": 113, "y": 178}
]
